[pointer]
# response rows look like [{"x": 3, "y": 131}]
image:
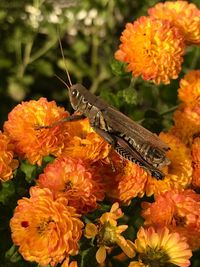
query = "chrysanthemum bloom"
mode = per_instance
[
  {"x": 46, "y": 230},
  {"x": 196, "y": 162},
  {"x": 76, "y": 180},
  {"x": 179, "y": 211},
  {"x": 181, "y": 14},
  {"x": 7, "y": 163},
  {"x": 23, "y": 124},
  {"x": 159, "y": 248},
  {"x": 189, "y": 91},
  {"x": 108, "y": 234},
  {"x": 152, "y": 48},
  {"x": 126, "y": 181},
  {"x": 179, "y": 173},
  {"x": 84, "y": 143},
  {"x": 186, "y": 124}
]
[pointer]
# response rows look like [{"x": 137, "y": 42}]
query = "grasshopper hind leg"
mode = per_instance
[{"x": 127, "y": 152}]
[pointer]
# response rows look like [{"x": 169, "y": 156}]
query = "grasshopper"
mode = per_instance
[{"x": 128, "y": 138}]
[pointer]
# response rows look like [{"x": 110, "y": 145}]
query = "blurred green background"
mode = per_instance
[{"x": 30, "y": 56}]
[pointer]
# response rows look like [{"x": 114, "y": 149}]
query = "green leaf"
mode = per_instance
[
  {"x": 118, "y": 68},
  {"x": 88, "y": 256},
  {"x": 13, "y": 255},
  {"x": 129, "y": 95},
  {"x": 80, "y": 47},
  {"x": 6, "y": 192},
  {"x": 29, "y": 170},
  {"x": 44, "y": 67}
]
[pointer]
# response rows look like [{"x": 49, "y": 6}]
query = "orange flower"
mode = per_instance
[
  {"x": 31, "y": 143},
  {"x": 46, "y": 230},
  {"x": 67, "y": 264},
  {"x": 179, "y": 173},
  {"x": 196, "y": 162},
  {"x": 152, "y": 48},
  {"x": 7, "y": 163},
  {"x": 189, "y": 91},
  {"x": 181, "y": 14},
  {"x": 179, "y": 211},
  {"x": 109, "y": 234},
  {"x": 160, "y": 248},
  {"x": 84, "y": 143},
  {"x": 74, "y": 179},
  {"x": 186, "y": 124},
  {"x": 126, "y": 181}
]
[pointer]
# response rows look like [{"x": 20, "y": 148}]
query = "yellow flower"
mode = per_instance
[
  {"x": 184, "y": 15},
  {"x": 179, "y": 173},
  {"x": 30, "y": 142},
  {"x": 84, "y": 143},
  {"x": 152, "y": 48},
  {"x": 179, "y": 210},
  {"x": 75, "y": 180},
  {"x": 46, "y": 230},
  {"x": 108, "y": 234},
  {"x": 159, "y": 248},
  {"x": 189, "y": 91},
  {"x": 7, "y": 162}
]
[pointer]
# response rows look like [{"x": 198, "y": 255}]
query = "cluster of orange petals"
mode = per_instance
[
  {"x": 152, "y": 48},
  {"x": 7, "y": 162},
  {"x": 196, "y": 163},
  {"x": 187, "y": 116},
  {"x": 189, "y": 90},
  {"x": 179, "y": 210},
  {"x": 75, "y": 180},
  {"x": 30, "y": 142},
  {"x": 84, "y": 143},
  {"x": 46, "y": 230},
  {"x": 185, "y": 16},
  {"x": 124, "y": 180},
  {"x": 162, "y": 248}
]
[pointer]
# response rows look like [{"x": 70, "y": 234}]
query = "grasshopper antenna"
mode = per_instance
[
  {"x": 67, "y": 72},
  {"x": 62, "y": 81}
]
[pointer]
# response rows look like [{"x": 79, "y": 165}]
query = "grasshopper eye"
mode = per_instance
[{"x": 75, "y": 93}]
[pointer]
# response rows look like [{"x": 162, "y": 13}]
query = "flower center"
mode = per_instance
[
  {"x": 43, "y": 225},
  {"x": 155, "y": 257},
  {"x": 107, "y": 235}
]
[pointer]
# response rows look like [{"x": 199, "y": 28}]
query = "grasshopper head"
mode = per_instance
[{"x": 77, "y": 93}]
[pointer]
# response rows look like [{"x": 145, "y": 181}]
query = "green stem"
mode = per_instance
[
  {"x": 195, "y": 58},
  {"x": 170, "y": 110},
  {"x": 43, "y": 50},
  {"x": 26, "y": 59}
]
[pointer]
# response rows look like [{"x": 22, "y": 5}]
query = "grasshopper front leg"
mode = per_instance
[{"x": 68, "y": 119}]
